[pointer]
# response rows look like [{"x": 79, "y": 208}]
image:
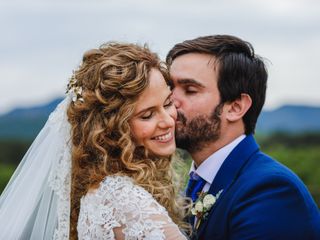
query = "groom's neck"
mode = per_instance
[{"x": 211, "y": 147}]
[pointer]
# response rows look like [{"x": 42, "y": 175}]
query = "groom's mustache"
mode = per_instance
[{"x": 181, "y": 118}]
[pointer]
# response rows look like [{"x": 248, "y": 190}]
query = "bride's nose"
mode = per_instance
[{"x": 166, "y": 120}]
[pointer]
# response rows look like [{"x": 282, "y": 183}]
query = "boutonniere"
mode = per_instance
[{"x": 203, "y": 205}]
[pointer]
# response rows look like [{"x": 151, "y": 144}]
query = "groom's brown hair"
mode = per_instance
[{"x": 239, "y": 70}]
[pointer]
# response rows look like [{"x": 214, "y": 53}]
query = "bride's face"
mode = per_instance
[{"x": 154, "y": 117}]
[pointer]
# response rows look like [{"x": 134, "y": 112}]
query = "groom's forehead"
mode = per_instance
[
  {"x": 190, "y": 64},
  {"x": 194, "y": 59}
]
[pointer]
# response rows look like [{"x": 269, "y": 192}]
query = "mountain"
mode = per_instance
[
  {"x": 25, "y": 123},
  {"x": 293, "y": 119}
]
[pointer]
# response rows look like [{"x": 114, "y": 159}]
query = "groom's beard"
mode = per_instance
[{"x": 193, "y": 135}]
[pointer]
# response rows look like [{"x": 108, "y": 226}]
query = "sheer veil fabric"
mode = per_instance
[{"x": 36, "y": 202}]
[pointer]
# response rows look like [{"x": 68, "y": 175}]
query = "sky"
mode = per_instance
[{"x": 42, "y": 41}]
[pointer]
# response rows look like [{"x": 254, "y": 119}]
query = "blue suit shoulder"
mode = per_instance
[
  {"x": 265, "y": 169},
  {"x": 277, "y": 201}
]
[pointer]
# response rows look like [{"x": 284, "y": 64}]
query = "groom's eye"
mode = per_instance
[{"x": 191, "y": 90}]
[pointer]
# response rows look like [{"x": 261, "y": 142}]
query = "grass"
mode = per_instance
[{"x": 6, "y": 170}]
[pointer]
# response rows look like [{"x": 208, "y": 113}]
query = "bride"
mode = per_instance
[{"x": 101, "y": 167}]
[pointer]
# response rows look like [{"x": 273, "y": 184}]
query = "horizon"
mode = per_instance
[{"x": 48, "y": 102}]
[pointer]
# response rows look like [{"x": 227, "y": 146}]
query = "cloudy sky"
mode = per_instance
[{"x": 43, "y": 40}]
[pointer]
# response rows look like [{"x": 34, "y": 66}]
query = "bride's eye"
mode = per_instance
[
  {"x": 168, "y": 103},
  {"x": 147, "y": 115}
]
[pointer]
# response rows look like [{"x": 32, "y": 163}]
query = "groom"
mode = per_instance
[{"x": 219, "y": 88}]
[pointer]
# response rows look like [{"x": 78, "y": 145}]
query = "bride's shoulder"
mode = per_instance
[
  {"x": 116, "y": 184},
  {"x": 115, "y": 187},
  {"x": 117, "y": 181},
  {"x": 119, "y": 192}
]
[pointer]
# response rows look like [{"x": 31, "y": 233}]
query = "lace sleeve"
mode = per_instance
[{"x": 119, "y": 209}]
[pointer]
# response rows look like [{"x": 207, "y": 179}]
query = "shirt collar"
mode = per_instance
[{"x": 209, "y": 168}]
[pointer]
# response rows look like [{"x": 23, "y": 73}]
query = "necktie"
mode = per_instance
[{"x": 195, "y": 185}]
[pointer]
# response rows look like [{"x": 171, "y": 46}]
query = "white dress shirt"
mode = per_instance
[{"x": 209, "y": 168}]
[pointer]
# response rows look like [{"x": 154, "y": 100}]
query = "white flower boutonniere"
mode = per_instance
[{"x": 203, "y": 205}]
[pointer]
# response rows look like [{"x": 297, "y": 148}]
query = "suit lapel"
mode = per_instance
[{"x": 229, "y": 171}]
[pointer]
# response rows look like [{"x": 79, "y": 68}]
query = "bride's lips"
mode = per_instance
[{"x": 164, "y": 138}]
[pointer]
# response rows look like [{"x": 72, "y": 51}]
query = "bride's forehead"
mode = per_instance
[
  {"x": 153, "y": 96},
  {"x": 157, "y": 85}
]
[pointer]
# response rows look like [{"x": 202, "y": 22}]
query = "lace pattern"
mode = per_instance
[
  {"x": 118, "y": 202},
  {"x": 60, "y": 176}
]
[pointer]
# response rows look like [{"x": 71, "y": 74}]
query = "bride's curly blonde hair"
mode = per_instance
[{"x": 112, "y": 78}]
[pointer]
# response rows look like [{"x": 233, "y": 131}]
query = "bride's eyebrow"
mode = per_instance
[
  {"x": 152, "y": 107},
  {"x": 145, "y": 110}
]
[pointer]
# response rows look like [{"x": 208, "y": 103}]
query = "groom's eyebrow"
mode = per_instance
[{"x": 190, "y": 81}]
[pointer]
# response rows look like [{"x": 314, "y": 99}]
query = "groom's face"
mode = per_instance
[{"x": 196, "y": 97}]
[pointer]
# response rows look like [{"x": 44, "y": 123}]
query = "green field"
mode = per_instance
[
  {"x": 6, "y": 171},
  {"x": 301, "y": 153}
]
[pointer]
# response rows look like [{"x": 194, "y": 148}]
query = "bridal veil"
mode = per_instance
[{"x": 36, "y": 202}]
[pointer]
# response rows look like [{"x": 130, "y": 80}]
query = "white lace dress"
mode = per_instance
[{"x": 119, "y": 209}]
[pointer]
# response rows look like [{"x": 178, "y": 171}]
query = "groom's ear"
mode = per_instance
[{"x": 238, "y": 108}]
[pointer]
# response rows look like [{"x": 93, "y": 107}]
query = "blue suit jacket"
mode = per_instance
[{"x": 261, "y": 199}]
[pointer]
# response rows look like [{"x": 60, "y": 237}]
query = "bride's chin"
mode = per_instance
[{"x": 167, "y": 152}]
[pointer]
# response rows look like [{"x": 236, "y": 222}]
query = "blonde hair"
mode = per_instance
[{"x": 112, "y": 78}]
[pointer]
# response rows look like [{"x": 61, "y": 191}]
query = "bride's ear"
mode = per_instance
[{"x": 238, "y": 108}]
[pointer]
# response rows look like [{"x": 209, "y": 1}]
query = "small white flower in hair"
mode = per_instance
[{"x": 74, "y": 90}]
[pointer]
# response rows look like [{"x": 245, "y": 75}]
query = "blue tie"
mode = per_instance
[{"x": 195, "y": 185}]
